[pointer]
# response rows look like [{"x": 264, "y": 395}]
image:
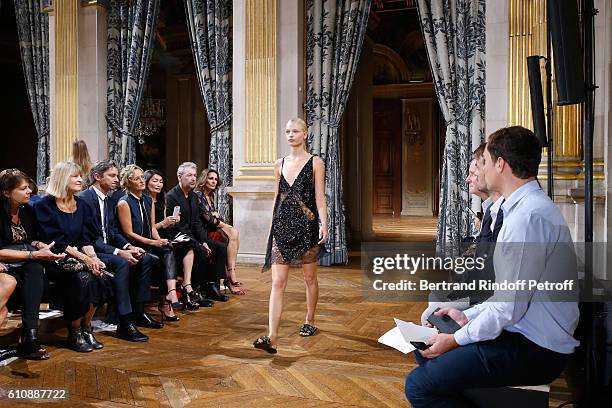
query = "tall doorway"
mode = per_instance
[{"x": 392, "y": 189}]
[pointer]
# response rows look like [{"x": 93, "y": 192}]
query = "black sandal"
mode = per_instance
[
  {"x": 264, "y": 343},
  {"x": 307, "y": 330}
]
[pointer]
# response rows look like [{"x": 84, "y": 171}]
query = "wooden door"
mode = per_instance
[{"x": 387, "y": 156}]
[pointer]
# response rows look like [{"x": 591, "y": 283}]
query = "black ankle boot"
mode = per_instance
[
  {"x": 88, "y": 335},
  {"x": 77, "y": 342},
  {"x": 29, "y": 346},
  {"x": 212, "y": 292}
]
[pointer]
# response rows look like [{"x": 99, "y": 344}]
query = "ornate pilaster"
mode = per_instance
[
  {"x": 65, "y": 79},
  {"x": 259, "y": 90}
]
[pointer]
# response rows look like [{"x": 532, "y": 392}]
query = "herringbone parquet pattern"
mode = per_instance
[{"x": 206, "y": 359}]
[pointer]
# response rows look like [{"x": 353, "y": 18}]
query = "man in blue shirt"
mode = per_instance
[{"x": 518, "y": 337}]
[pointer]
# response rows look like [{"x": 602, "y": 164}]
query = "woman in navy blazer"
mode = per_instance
[{"x": 68, "y": 221}]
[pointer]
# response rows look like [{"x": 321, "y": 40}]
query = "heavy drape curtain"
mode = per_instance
[
  {"x": 210, "y": 32},
  {"x": 454, "y": 33},
  {"x": 33, "y": 30},
  {"x": 131, "y": 31},
  {"x": 334, "y": 39}
]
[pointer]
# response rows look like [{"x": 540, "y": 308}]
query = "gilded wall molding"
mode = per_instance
[
  {"x": 66, "y": 78},
  {"x": 260, "y": 88}
]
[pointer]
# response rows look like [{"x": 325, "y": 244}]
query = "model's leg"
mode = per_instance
[
  {"x": 280, "y": 274},
  {"x": 232, "y": 251},
  {"x": 312, "y": 291}
]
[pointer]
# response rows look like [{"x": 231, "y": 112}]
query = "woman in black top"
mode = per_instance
[
  {"x": 216, "y": 228},
  {"x": 70, "y": 222},
  {"x": 137, "y": 221},
  {"x": 299, "y": 228},
  {"x": 154, "y": 187},
  {"x": 22, "y": 253}
]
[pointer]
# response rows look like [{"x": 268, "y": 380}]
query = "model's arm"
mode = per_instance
[
  {"x": 277, "y": 172},
  {"x": 319, "y": 175}
]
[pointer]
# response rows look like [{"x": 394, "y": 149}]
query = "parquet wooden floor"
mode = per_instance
[
  {"x": 404, "y": 228},
  {"x": 206, "y": 359}
]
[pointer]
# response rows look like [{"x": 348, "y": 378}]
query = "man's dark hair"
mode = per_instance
[
  {"x": 479, "y": 151},
  {"x": 519, "y": 147},
  {"x": 100, "y": 168}
]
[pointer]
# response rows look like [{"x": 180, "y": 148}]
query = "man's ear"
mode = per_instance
[{"x": 500, "y": 165}]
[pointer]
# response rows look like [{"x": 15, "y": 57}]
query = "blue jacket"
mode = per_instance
[{"x": 115, "y": 238}]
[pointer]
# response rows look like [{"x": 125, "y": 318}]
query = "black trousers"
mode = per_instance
[
  {"x": 30, "y": 286},
  {"x": 166, "y": 268},
  {"x": 79, "y": 290},
  {"x": 209, "y": 268}
]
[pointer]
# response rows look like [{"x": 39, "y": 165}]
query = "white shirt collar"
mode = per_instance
[
  {"x": 496, "y": 205},
  {"x": 518, "y": 194},
  {"x": 100, "y": 194}
]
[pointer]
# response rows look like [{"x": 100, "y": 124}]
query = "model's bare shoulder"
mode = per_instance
[{"x": 318, "y": 162}]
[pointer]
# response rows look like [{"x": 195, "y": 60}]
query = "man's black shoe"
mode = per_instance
[
  {"x": 206, "y": 303},
  {"x": 212, "y": 292},
  {"x": 128, "y": 331},
  {"x": 144, "y": 320}
]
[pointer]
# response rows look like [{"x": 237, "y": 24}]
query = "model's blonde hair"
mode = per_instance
[
  {"x": 60, "y": 178},
  {"x": 126, "y": 173},
  {"x": 301, "y": 124},
  {"x": 80, "y": 156}
]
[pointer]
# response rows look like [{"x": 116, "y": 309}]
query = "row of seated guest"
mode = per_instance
[
  {"x": 210, "y": 257},
  {"x": 81, "y": 232},
  {"x": 131, "y": 265},
  {"x": 216, "y": 228}
]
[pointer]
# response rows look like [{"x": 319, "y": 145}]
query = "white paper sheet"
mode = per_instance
[
  {"x": 393, "y": 338},
  {"x": 414, "y": 332},
  {"x": 400, "y": 336}
]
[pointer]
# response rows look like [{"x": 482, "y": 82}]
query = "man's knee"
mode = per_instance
[{"x": 418, "y": 386}]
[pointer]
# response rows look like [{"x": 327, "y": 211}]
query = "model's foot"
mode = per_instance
[
  {"x": 265, "y": 343},
  {"x": 308, "y": 330}
]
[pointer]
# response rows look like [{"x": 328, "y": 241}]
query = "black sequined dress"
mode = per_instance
[{"x": 295, "y": 223}]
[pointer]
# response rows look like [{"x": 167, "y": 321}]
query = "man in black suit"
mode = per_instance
[
  {"x": 131, "y": 284},
  {"x": 210, "y": 256}
]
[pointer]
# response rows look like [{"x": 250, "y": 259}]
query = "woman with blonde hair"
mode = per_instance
[
  {"x": 69, "y": 222},
  {"x": 137, "y": 220},
  {"x": 299, "y": 228},
  {"x": 216, "y": 228},
  {"x": 80, "y": 156}
]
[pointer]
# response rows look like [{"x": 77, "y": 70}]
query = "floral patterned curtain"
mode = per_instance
[
  {"x": 210, "y": 31},
  {"x": 335, "y": 36},
  {"x": 454, "y": 33},
  {"x": 131, "y": 30},
  {"x": 33, "y": 30}
]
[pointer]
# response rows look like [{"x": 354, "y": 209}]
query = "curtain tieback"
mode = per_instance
[
  {"x": 115, "y": 126},
  {"x": 222, "y": 123}
]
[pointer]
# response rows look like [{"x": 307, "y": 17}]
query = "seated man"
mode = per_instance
[
  {"x": 210, "y": 256},
  {"x": 481, "y": 246},
  {"x": 518, "y": 337},
  {"x": 132, "y": 288}
]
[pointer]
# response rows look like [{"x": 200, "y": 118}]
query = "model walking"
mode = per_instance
[{"x": 299, "y": 227}]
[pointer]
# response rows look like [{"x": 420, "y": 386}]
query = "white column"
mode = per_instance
[{"x": 92, "y": 79}]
